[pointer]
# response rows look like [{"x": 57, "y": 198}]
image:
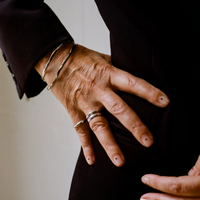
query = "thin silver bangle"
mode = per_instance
[
  {"x": 61, "y": 66},
  {"x": 50, "y": 59}
]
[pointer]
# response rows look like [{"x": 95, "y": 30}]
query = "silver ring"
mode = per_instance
[
  {"x": 80, "y": 122},
  {"x": 89, "y": 117},
  {"x": 93, "y": 115}
]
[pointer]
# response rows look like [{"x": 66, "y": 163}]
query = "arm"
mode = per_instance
[{"x": 28, "y": 31}]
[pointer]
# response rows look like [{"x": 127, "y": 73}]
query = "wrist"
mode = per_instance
[{"x": 54, "y": 63}]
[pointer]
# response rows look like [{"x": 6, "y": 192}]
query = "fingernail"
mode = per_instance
[
  {"x": 118, "y": 160},
  {"x": 144, "y": 197},
  {"x": 193, "y": 171},
  {"x": 163, "y": 100},
  {"x": 147, "y": 140},
  {"x": 145, "y": 180},
  {"x": 90, "y": 160}
]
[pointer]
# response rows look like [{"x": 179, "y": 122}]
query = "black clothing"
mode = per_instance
[{"x": 155, "y": 40}]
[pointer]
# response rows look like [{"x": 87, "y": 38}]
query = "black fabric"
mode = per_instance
[
  {"x": 175, "y": 130},
  {"x": 155, "y": 40},
  {"x": 28, "y": 31}
]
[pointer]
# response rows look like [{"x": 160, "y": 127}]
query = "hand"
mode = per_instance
[
  {"x": 87, "y": 83},
  {"x": 175, "y": 188}
]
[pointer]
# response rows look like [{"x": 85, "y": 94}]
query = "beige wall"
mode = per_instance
[{"x": 38, "y": 145}]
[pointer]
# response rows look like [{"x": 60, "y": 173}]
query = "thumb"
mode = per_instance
[{"x": 196, "y": 169}]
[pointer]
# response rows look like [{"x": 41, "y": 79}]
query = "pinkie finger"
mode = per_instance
[{"x": 83, "y": 131}]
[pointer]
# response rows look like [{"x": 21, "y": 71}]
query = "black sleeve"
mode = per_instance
[{"x": 28, "y": 30}]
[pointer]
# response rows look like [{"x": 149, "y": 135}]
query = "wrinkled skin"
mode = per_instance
[{"x": 88, "y": 82}]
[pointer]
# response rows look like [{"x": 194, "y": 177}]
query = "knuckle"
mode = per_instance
[
  {"x": 108, "y": 147},
  {"x": 81, "y": 133},
  {"x": 131, "y": 82},
  {"x": 118, "y": 108},
  {"x": 98, "y": 126},
  {"x": 81, "y": 95},
  {"x": 176, "y": 187},
  {"x": 77, "y": 92},
  {"x": 151, "y": 93},
  {"x": 102, "y": 70},
  {"x": 86, "y": 147},
  {"x": 91, "y": 81},
  {"x": 136, "y": 126}
]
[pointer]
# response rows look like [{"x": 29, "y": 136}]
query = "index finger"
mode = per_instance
[
  {"x": 182, "y": 185},
  {"x": 126, "y": 82}
]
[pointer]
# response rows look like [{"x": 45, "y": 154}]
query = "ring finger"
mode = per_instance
[{"x": 100, "y": 127}]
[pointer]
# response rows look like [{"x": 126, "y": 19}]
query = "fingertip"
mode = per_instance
[
  {"x": 145, "y": 180},
  {"x": 118, "y": 160},
  {"x": 147, "y": 139},
  {"x": 163, "y": 100},
  {"x": 148, "y": 178},
  {"x": 144, "y": 197},
  {"x": 90, "y": 160}
]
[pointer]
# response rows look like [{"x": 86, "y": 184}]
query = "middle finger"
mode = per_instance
[
  {"x": 100, "y": 127},
  {"x": 117, "y": 107}
]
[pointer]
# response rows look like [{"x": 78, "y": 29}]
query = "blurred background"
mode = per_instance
[{"x": 38, "y": 144}]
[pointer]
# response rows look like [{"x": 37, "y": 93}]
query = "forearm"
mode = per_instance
[{"x": 28, "y": 31}]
